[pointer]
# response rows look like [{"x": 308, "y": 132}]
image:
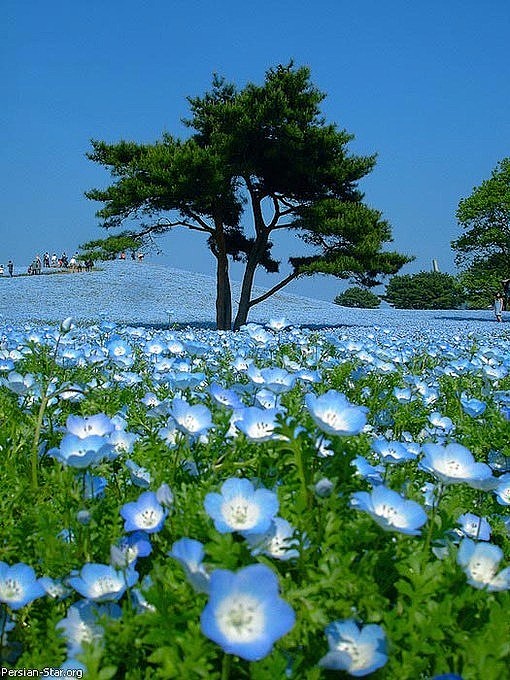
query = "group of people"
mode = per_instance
[
  {"x": 51, "y": 262},
  {"x": 501, "y": 299},
  {"x": 10, "y": 268}
]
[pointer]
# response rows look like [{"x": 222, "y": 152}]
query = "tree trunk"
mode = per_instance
[
  {"x": 249, "y": 275},
  {"x": 223, "y": 292}
]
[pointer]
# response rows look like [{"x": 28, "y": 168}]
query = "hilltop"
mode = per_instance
[{"x": 138, "y": 293}]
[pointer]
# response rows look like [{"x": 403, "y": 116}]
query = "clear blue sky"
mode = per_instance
[{"x": 424, "y": 84}]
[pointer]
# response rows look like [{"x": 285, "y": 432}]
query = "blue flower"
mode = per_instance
[
  {"x": 80, "y": 624},
  {"x": 502, "y": 489},
  {"x": 18, "y": 585},
  {"x": 139, "y": 476},
  {"x": 334, "y": 414},
  {"x": 358, "y": 651},
  {"x": 278, "y": 541},
  {"x": 471, "y": 406},
  {"x": 392, "y": 451},
  {"x": 475, "y": 527},
  {"x": 454, "y": 464},
  {"x": 480, "y": 562},
  {"x": 145, "y": 514},
  {"x": 257, "y": 423},
  {"x": 245, "y": 614},
  {"x": 98, "y": 424},
  {"x": 241, "y": 507},
  {"x": 190, "y": 554},
  {"x": 129, "y": 549},
  {"x": 193, "y": 420},
  {"x": 390, "y": 510},
  {"x": 224, "y": 396},
  {"x": 103, "y": 583},
  {"x": 81, "y": 452}
]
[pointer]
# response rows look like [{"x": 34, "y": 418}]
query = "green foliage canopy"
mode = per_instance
[
  {"x": 358, "y": 297},
  {"x": 425, "y": 290},
  {"x": 108, "y": 248},
  {"x": 260, "y": 159},
  {"x": 483, "y": 250}
]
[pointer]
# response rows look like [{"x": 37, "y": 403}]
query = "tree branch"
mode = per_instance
[{"x": 274, "y": 289}]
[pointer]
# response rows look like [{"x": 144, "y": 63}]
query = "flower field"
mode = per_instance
[{"x": 280, "y": 502}]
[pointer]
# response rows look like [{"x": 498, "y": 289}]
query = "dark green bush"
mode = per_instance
[
  {"x": 358, "y": 297},
  {"x": 425, "y": 290}
]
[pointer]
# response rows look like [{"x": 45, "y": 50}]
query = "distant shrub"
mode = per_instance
[
  {"x": 425, "y": 290},
  {"x": 358, "y": 297}
]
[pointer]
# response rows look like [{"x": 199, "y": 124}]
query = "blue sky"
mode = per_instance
[{"x": 424, "y": 84}]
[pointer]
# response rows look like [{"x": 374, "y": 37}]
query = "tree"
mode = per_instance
[
  {"x": 109, "y": 248},
  {"x": 425, "y": 290},
  {"x": 483, "y": 250},
  {"x": 263, "y": 153},
  {"x": 358, "y": 297}
]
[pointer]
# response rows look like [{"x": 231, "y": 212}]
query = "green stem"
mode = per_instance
[
  {"x": 226, "y": 667},
  {"x": 298, "y": 459},
  {"x": 35, "y": 443},
  {"x": 428, "y": 538}
]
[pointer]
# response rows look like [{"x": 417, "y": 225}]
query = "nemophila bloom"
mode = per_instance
[
  {"x": 323, "y": 447},
  {"x": 241, "y": 507},
  {"x": 145, "y": 514},
  {"x": 391, "y": 451},
  {"x": 97, "y": 425},
  {"x": 6, "y": 365},
  {"x": 19, "y": 585},
  {"x": 19, "y": 384},
  {"x": 165, "y": 496},
  {"x": 447, "y": 676},
  {"x": 474, "y": 527},
  {"x": 357, "y": 650},
  {"x": 80, "y": 624},
  {"x": 277, "y": 380},
  {"x": 256, "y": 423},
  {"x": 373, "y": 474},
  {"x": 55, "y": 588},
  {"x": 278, "y": 324},
  {"x": 278, "y": 541},
  {"x": 122, "y": 441},
  {"x": 169, "y": 434},
  {"x": 139, "y": 476},
  {"x": 193, "y": 420},
  {"x": 471, "y": 406},
  {"x": 190, "y": 554},
  {"x": 102, "y": 582},
  {"x": 402, "y": 394},
  {"x": 129, "y": 548},
  {"x": 258, "y": 334},
  {"x": 120, "y": 351},
  {"x": 480, "y": 562},
  {"x": 454, "y": 464},
  {"x": 334, "y": 414},
  {"x": 441, "y": 422},
  {"x": 324, "y": 488},
  {"x": 245, "y": 614},
  {"x": 390, "y": 510},
  {"x": 81, "y": 452},
  {"x": 224, "y": 396},
  {"x": 502, "y": 489},
  {"x": 267, "y": 399},
  {"x": 498, "y": 461}
]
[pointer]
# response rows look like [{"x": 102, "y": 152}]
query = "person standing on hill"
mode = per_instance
[
  {"x": 10, "y": 267},
  {"x": 498, "y": 306}
]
